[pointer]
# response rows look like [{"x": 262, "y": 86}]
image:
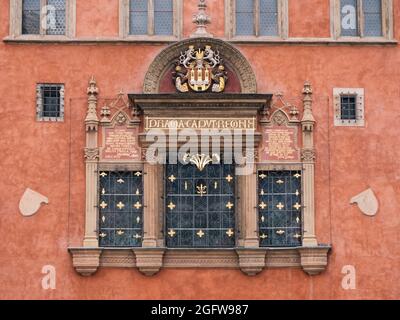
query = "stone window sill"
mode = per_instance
[{"x": 149, "y": 261}]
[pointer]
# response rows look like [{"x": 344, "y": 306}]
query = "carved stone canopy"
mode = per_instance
[{"x": 232, "y": 57}]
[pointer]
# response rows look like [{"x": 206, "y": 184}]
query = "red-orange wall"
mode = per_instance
[{"x": 48, "y": 158}]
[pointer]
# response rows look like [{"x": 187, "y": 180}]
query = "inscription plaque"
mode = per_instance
[
  {"x": 280, "y": 144},
  {"x": 121, "y": 144}
]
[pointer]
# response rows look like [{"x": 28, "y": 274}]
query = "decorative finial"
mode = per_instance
[{"x": 201, "y": 19}]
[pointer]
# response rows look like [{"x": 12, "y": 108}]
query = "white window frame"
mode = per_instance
[
  {"x": 230, "y": 21},
  {"x": 124, "y": 22},
  {"x": 387, "y": 21},
  {"x": 360, "y": 106},
  {"x": 16, "y": 22}
]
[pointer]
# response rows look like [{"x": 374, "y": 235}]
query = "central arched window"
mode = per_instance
[{"x": 200, "y": 205}]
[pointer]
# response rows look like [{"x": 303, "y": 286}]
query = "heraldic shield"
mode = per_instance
[{"x": 200, "y": 70}]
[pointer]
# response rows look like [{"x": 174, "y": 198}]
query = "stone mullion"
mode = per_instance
[{"x": 248, "y": 200}]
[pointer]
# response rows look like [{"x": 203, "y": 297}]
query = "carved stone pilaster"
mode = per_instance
[
  {"x": 149, "y": 261},
  {"x": 314, "y": 260},
  {"x": 85, "y": 261},
  {"x": 251, "y": 261}
]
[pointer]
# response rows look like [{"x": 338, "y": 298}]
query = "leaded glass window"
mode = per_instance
[
  {"x": 372, "y": 18},
  {"x": 31, "y": 16},
  {"x": 256, "y": 17},
  {"x": 50, "y": 102},
  {"x": 268, "y": 17},
  {"x": 138, "y": 15},
  {"x": 349, "y": 18},
  {"x": 348, "y": 108},
  {"x": 44, "y": 17},
  {"x": 120, "y": 209},
  {"x": 279, "y": 207},
  {"x": 200, "y": 205},
  {"x": 163, "y": 17}
]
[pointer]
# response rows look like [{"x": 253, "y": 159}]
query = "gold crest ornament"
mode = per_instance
[{"x": 200, "y": 70}]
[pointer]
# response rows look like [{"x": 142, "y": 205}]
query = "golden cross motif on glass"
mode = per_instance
[
  {"x": 280, "y": 181},
  {"x": 229, "y": 178},
  {"x": 138, "y": 174},
  {"x": 297, "y": 175},
  {"x": 103, "y": 174},
  {"x": 262, "y": 176},
  {"x": 137, "y": 236},
  {"x": 137, "y": 205},
  {"x": 172, "y": 178},
  {"x": 120, "y": 232},
  {"x": 263, "y": 236},
  {"x": 102, "y": 235},
  {"x": 280, "y": 232},
  {"x": 120, "y": 181},
  {"x": 103, "y": 205},
  {"x": 229, "y": 205},
  {"x": 120, "y": 205},
  {"x": 297, "y": 206},
  {"x": 297, "y": 236},
  {"x": 201, "y": 189},
  {"x": 230, "y": 233},
  {"x": 171, "y": 233},
  {"x": 280, "y": 206},
  {"x": 200, "y": 233},
  {"x": 171, "y": 206},
  {"x": 263, "y": 205}
]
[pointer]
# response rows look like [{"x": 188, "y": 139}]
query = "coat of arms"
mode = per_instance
[{"x": 200, "y": 70}]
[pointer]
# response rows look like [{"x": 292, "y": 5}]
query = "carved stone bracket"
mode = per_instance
[
  {"x": 251, "y": 261},
  {"x": 314, "y": 260},
  {"x": 85, "y": 260},
  {"x": 150, "y": 260},
  {"x": 308, "y": 155}
]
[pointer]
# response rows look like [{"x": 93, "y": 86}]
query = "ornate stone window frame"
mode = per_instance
[
  {"x": 39, "y": 103},
  {"x": 16, "y": 23},
  {"x": 360, "y": 101},
  {"x": 230, "y": 22},
  {"x": 124, "y": 23},
  {"x": 387, "y": 22}
]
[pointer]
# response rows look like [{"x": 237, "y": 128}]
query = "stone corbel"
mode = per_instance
[
  {"x": 314, "y": 260},
  {"x": 251, "y": 261},
  {"x": 149, "y": 260},
  {"x": 86, "y": 261}
]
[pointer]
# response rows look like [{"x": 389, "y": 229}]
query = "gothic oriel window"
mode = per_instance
[
  {"x": 120, "y": 209},
  {"x": 152, "y": 17},
  {"x": 364, "y": 18},
  {"x": 200, "y": 205},
  {"x": 280, "y": 208},
  {"x": 46, "y": 17},
  {"x": 50, "y": 102}
]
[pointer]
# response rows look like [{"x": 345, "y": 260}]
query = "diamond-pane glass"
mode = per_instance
[
  {"x": 372, "y": 18},
  {"x": 138, "y": 16},
  {"x": 268, "y": 18},
  {"x": 31, "y": 17},
  {"x": 200, "y": 206},
  {"x": 348, "y": 18},
  {"x": 163, "y": 17},
  {"x": 279, "y": 207},
  {"x": 120, "y": 209},
  {"x": 56, "y": 17},
  {"x": 244, "y": 17}
]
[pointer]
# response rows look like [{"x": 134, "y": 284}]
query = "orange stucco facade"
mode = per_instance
[{"x": 48, "y": 157}]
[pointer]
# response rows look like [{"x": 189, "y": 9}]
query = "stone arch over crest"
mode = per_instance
[{"x": 232, "y": 57}]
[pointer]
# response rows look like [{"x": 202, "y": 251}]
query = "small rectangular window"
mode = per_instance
[
  {"x": 349, "y": 18},
  {"x": 50, "y": 102},
  {"x": 372, "y": 18},
  {"x": 280, "y": 208},
  {"x": 138, "y": 17},
  {"x": 121, "y": 209},
  {"x": 163, "y": 17},
  {"x": 348, "y": 107}
]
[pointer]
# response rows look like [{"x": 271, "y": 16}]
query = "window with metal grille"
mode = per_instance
[
  {"x": 50, "y": 102},
  {"x": 200, "y": 206},
  {"x": 160, "y": 17},
  {"x": 372, "y": 18},
  {"x": 47, "y": 17},
  {"x": 256, "y": 18},
  {"x": 279, "y": 207},
  {"x": 348, "y": 107},
  {"x": 120, "y": 209}
]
